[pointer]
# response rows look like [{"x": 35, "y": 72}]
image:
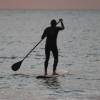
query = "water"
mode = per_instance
[{"x": 79, "y": 55}]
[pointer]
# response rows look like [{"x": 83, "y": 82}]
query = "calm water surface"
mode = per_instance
[{"x": 79, "y": 56}]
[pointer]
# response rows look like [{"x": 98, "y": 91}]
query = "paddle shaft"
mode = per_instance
[{"x": 32, "y": 50}]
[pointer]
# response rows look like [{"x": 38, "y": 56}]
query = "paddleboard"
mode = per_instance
[
  {"x": 46, "y": 76},
  {"x": 51, "y": 76}
]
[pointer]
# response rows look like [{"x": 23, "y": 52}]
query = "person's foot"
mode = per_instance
[
  {"x": 45, "y": 74},
  {"x": 54, "y": 73}
]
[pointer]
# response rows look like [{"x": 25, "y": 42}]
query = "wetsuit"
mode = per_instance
[{"x": 51, "y": 34}]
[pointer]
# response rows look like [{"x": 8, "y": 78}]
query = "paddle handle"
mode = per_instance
[
  {"x": 32, "y": 50},
  {"x": 58, "y": 22}
]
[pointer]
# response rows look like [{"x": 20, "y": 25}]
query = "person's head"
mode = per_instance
[{"x": 53, "y": 22}]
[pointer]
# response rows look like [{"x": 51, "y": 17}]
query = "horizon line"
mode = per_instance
[{"x": 49, "y": 9}]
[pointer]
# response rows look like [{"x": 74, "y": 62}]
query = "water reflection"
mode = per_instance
[{"x": 51, "y": 83}]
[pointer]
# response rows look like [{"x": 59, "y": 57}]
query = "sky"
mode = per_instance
[{"x": 49, "y": 4}]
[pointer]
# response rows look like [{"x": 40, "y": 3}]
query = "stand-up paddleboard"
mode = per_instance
[
  {"x": 52, "y": 76},
  {"x": 47, "y": 76}
]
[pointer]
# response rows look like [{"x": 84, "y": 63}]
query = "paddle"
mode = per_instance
[{"x": 16, "y": 66}]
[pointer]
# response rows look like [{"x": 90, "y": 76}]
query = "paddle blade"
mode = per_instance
[{"x": 16, "y": 66}]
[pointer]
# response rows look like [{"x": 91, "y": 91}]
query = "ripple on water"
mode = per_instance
[
  {"x": 21, "y": 75},
  {"x": 4, "y": 83},
  {"x": 4, "y": 57},
  {"x": 2, "y": 49},
  {"x": 88, "y": 78}
]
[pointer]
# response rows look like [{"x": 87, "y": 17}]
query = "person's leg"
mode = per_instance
[
  {"x": 47, "y": 55},
  {"x": 55, "y": 54}
]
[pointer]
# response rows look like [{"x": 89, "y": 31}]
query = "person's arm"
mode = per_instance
[
  {"x": 62, "y": 25},
  {"x": 44, "y": 35}
]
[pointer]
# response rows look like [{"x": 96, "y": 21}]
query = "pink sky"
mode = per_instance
[{"x": 49, "y": 4}]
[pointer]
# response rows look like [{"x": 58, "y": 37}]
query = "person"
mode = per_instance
[{"x": 51, "y": 33}]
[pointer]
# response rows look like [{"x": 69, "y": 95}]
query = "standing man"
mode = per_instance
[{"x": 51, "y": 34}]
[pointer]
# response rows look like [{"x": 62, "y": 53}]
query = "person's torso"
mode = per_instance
[{"x": 52, "y": 33}]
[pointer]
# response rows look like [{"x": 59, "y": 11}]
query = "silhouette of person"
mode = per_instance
[{"x": 51, "y": 34}]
